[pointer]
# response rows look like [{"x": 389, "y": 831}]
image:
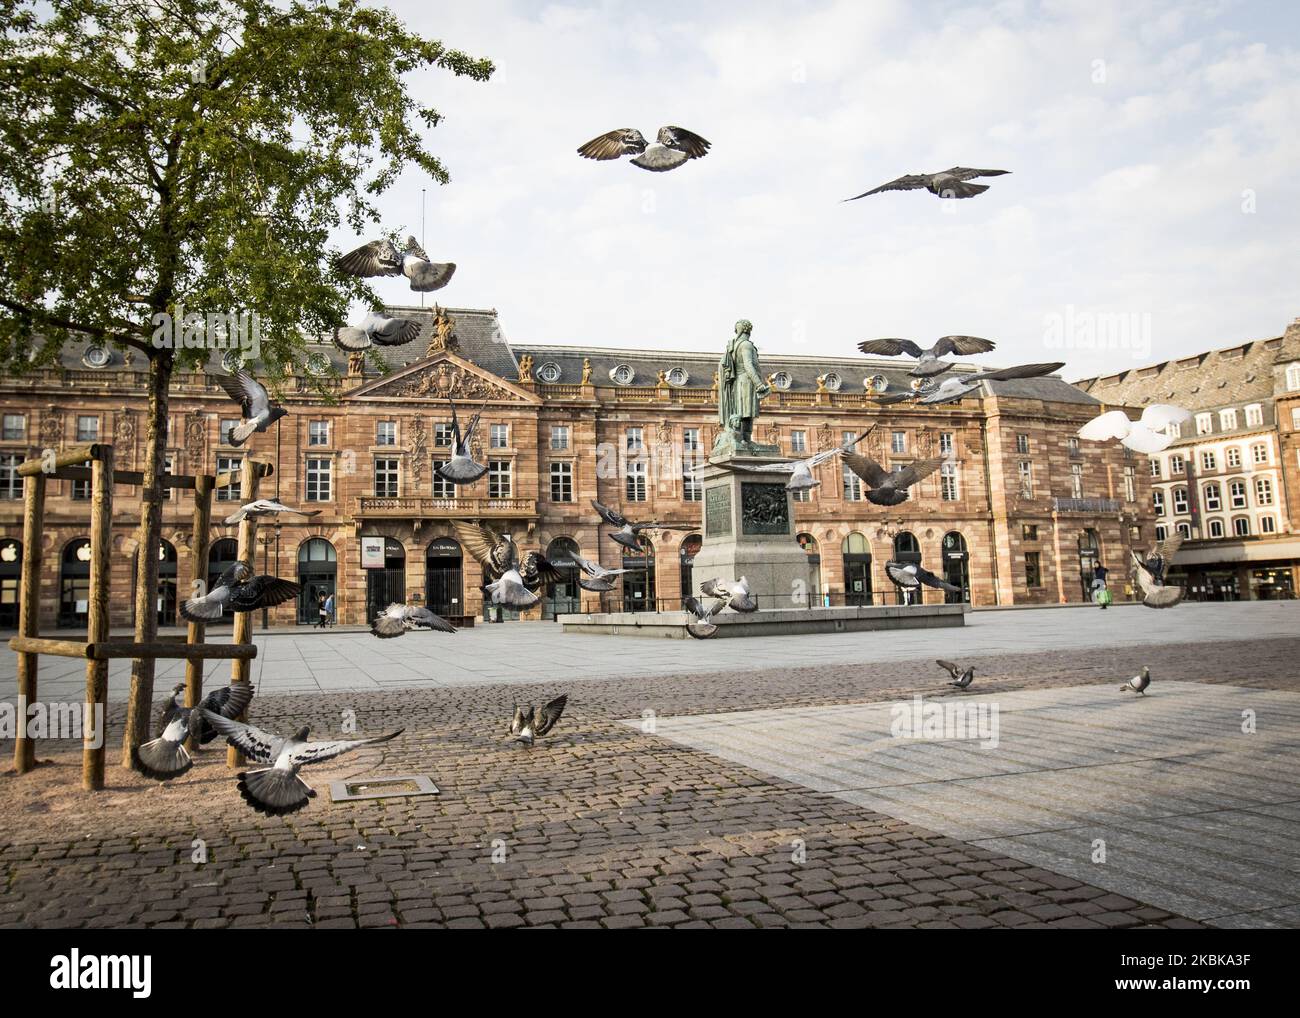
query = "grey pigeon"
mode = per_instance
[
  {"x": 1155, "y": 594},
  {"x": 704, "y": 626},
  {"x": 673, "y": 146},
  {"x": 951, "y": 183},
  {"x": 461, "y": 468},
  {"x": 800, "y": 471},
  {"x": 735, "y": 596},
  {"x": 512, "y": 579},
  {"x": 601, "y": 579},
  {"x": 1139, "y": 682},
  {"x": 885, "y": 487},
  {"x": 950, "y": 390},
  {"x": 238, "y": 590},
  {"x": 629, "y": 532},
  {"x": 166, "y": 756},
  {"x": 376, "y": 329},
  {"x": 928, "y": 360},
  {"x": 266, "y": 507},
  {"x": 909, "y": 576},
  {"x": 529, "y": 724},
  {"x": 961, "y": 677},
  {"x": 276, "y": 789},
  {"x": 382, "y": 258},
  {"x": 399, "y": 619},
  {"x": 259, "y": 413}
]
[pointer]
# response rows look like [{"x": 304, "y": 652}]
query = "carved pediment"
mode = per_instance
[{"x": 440, "y": 377}]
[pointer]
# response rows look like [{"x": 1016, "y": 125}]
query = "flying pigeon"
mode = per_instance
[
  {"x": 800, "y": 471},
  {"x": 910, "y": 576},
  {"x": 886, "y": 487},
  {"x": 673, "y": 146},
  {"x": 382, "y": 258},
  {"x": 927, "y": 361},
  {"x": 376, "y": 329},
  {"x": 945, "y": 184},
  {"x": 266, "y": 507},
  {"x": 629, "y": 532},
  {"x": 259, "y": 413},
  {"x": 399, "y": 619},
  {"x": 950, "y": 390},
  {"x": 601, "y": 578},
  {"x": 238, "y": 590},
  {"x": 276, "y": 790},
  {"x": 461, "y": 468},
  {"x": 735, "y": 596},
  {"x": 1139, "y": 682},
  {"x": 1145, "y": 435},
  {"x": 1149, "y": 574},
  {"x": 961, "y": 677},
  {"x": 166, "y": 756},
  {"x": 704, "y": 627},
  {"x": 528, "y": 724},
  {"x": 513, "y": 579}
]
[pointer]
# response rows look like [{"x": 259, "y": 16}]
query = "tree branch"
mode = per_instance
[{"x": 90, "y": 330}]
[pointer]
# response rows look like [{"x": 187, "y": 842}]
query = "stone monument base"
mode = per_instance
[{"x": 777, "y": 622}]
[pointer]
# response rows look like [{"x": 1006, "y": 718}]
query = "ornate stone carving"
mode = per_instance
[
  {"x": 124, "y": 438},
  {"x": 51, "y": 428},
  {"x": 764, "y": 509},
  {"x": 419, "y": 449},
  {"x": 445, "y": 380},
  {"x": 357, "y": 363},
  {"x": 586, "y": 371},
  {"x": 526, "y": 367},
  {"x": 443, "y": 337},
  {"x": 196, "y": 439},
  {"x": 825, "y": 439},
  {"x": 773, "y": 435},
  {"x": 664, "y": 433}
]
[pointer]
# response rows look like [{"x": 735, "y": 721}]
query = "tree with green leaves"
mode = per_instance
[{"x": 159, "y": 155}]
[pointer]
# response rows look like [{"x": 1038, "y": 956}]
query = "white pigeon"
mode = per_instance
[
  {"x": 1148, "y": 434},
  {"x": 266, "y": 507},
  {"x": 382, "y": 258},
  {"x": 509, "y": 590},
  {"x": 376, "y": 330},
  {"x": 254, "y": 403},
  {"x": 800, "y": 471},
  {"x": 735, "y": 596},
  {"x": 398, "y": 619}
]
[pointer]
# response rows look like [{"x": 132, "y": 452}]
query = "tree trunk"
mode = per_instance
[{"x": 140, "y": 704}]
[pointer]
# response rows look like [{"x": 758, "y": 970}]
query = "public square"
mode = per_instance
[{"x": 749, "y": 783}]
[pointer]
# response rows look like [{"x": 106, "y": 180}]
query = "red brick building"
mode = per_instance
[{"x": 1019, "y": 514}]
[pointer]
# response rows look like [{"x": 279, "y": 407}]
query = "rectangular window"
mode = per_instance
[
  {"x": 798, "y": 443},
  {"x": 1022, "y": 444},
  {"x": 561, "y": 482},
  {"x": 1180, "y": 500},
  {"x": 1267, "y": 525},
  {"x": 1174, "y": 430},
  {"x": 1241, "y": 526},
  {"x": 1209, "y": 461},
  {"x": 500, "y": 436},
  {"x": 633, "y": 439},
  {"x": 14, "y": 428},
  {"x": 559, "y": 437},
  {"x": 1130, "y": 484},
  {"x": 1026, "y": 479},
  {"x": 81, "y": 489},
  {"x": 1155, "y": 467},
  {"x": 898, "y": 442},
  {"x": 87, "y": 429},
  {"x": 1033, "y": 570},
  {"x": 224, "y": 427},
  {"x": 1158, "y": 501},
  {"x": 318, "y": 432},
  {"x": 1072, "y": 447},
  {"x": 1029, "y": 531},
  {"x": 1204, "y": 423},
  {"x": 11, "y": 485},
  {"x": 1234, "y": 457},
  {"x": 948, "y": 482},
  {"x": 1263, "y": 491},
  {"x": 1216, "y": 528},
  {"x": 1295, "y": 418},
  {"x": 386, "y": 472},
  {"x": 1293, "y": 377},
  {"x": 1238, "y": 492},
  {"x": 692, "y": 488},
  {"x": 1175, "y": 466},
  {"x": 386, "y": 433},
  {"x": 1227, "y": 420},
  {"x": 1259, "y": 453},
  {"x": 852, "y": 484},
  {"x": 442, "y": 488},
  {"x": 229, "y": 465},
  {"x": 442, "y": 435},
  {"x": 1076, "y": 480},
  {"x": 318, "y": 480},
  {"x": 636, "y": 481},
  {"x": 945, "y": 443},
  {"x": 499, "y": 478},
  {"x": 1213, "y": 499}
]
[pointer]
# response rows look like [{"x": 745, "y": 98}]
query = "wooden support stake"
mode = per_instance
[
  {"x": 111, "y": 650},
  {"x": 73, "y": 456},
  {"x": 249, "y": 477},
  {"x": 101, "y": 549},
  {"x": 194, "y": 632},
  {"x": 29, "y": 604}
]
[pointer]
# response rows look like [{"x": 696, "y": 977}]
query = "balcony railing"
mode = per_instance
[
  {"x": 416, "y": 507},
  {"x": 1085, "y": 505}
]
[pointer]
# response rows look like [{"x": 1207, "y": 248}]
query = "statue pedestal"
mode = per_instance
[{"x": 749, "y": 530}]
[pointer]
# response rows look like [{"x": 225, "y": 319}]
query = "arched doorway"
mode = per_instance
[
  {"x": 1089, "y": 556},
  {"x": 809, "y": 544},
  {"x": 956, "y": 567},
  {"x": 74, "y": 583},
  {"x": 639, "y": 583},
  {"x": 686, "y": 562},
  {"x": 856, "y": 553},
  {"x": 562, "y": 597},
  {"x": 388, "y": 585},
  {"x": 444, "y": 577},
  {"x": 11, "y": 568},
  {"x": 317, "y": 574},
  {"x": 907, "y": 549}
]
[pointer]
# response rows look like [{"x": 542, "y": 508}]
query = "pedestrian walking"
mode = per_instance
[
  {"x": 329, "y": 609},
  {"x": 324, "y": 614}
]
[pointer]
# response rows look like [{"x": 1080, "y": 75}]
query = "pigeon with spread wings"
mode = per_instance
[
  {"x": 277, "y": 790},
  {"x": 629, "y": 533},
  {"x": 1148, "y": 434},
  {"x": 1149, "y": 573},
  {"x": 735, "y": 596},
  {"x": 950, "y": 390},
  {"x": 398, "y": 619},
  {"x": 461, "y": 468},
  {"x": 672, "y": 147},
  {"x": 529, "y": 723},
  {"x": 259, "y": 413},
  {"x": 928, "y": 359},
  {"x": 909, "y": 578},
  {"x": 266, "y": 507},
  {"x": 800, "y": 471},
  {"x": 961, "y": 677},
  {"x": 382, "y": 258},
  {"x": 703, "y": 627},
  {"x": 950, "y": 183},
  {"x": 513, "y": 579},
  {"x": 238, "y": 590},
  {"x": 601, "y": 579},
  {"x": 166, "y": 756},
  {"x": 886, "y": 487},
  {"x": 376, "y": 329}
]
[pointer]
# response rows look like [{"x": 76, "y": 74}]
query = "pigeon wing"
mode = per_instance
[
  {"x": 613, "y": 144},
  {"x": 480, "y": 541},
  {"x": 931, "y": 580},
  {"x": 966, "y": 173},
  {"x": 890, "y": 347},
  {"x": 397, "y": 332},
  {"x": 1017, "y": 371},
  {"x": 917, "y": 471},
  {"x": 318, "y": 752},
  {"x": 866, "y": 468},
  {"x": 948, "y": 666},
  {"x": 1168, "y": 548},
  {"x": 545, "y": 718},
  {"x": 229, "y": 701},
  {"x": 1159, "y": 416},
  {"x": 1142, "y": 439},
  {"x": 378, "y": 258},
  {"x": 263, "y": 592},
  {"x": 1114, "y": 424},
  {"x": 352, "y": 340},
  {"x": 254, "y": 743},
  {"x": 611, "y": 516},
  {"x": 247, "y": 391},
  {"x": 907, "y": 182},
  {"x": 431, "y": 620},
  {"x": 683, "y": 140},
  {"x": 964, "y": 345}
]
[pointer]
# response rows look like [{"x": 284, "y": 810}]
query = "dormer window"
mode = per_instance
[
  {"x": 549, "y": 372},
  {"x": 97, "y": 357},
  {"x": 622, "y": 374},
  {"x": 781, "y": 380},
  {"x": 677, "y": 376},
  {"x": 832, "y": 381}
]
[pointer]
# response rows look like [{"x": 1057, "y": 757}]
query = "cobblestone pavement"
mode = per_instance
[{"x": 600, "y": 825}]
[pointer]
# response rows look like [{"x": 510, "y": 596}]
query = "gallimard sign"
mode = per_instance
[{"x": 74, "y": 971}]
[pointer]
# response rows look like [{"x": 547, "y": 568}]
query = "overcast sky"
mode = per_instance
[{"x": 1140, "y": 136}]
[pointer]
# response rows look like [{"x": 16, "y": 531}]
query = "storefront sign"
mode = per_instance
[{"x": 372, "y": 553}]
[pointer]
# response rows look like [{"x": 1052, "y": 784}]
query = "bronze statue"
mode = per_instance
[{"x": 740, "y": 385}]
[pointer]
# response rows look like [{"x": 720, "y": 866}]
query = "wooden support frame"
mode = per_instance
[
  {"x": 101, "y": 548},
  {"x": 250, "y": 477},
  {"x": 29, "y": 605}
]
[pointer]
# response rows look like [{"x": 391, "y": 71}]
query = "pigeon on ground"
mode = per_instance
[
  {"x": 800, "y": 471},
  {"x": 266, "y": 507},
  {"x": 166, "y": 756},
  {"x": 461, "y": 468},
  {"x": 399, "y": 619},
  {"x": 886, "y": 487},
  {"x": 673, "y": 146},
  {"x": 1148, "y": 434},
  {"x": 735, "y": 596},
  {"x": 382, "y": 258},
  {"x": 704, "y": 627},
  {"x": 961, "y": 677},
  {"x": 277, "y": 790},
  {"x": 376, "y": 329},
  {"x": 529, "y": 724},
  {"x": 1139, "y": 682},
  {"x": 601, "y": 580},
  {"x": 910, "y": 576},
  {"x": 629, "y": 532},
  {"x": 512, "y": 579},
  {"x": 238, "y": 590},
  {"x": 1149, "y": 574},
  {"x": 950, "y": 183},
  {"x": 927, "y": 360},
  {"x": 950, "y": 390},
  {"x": 259, "y": 413}
]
